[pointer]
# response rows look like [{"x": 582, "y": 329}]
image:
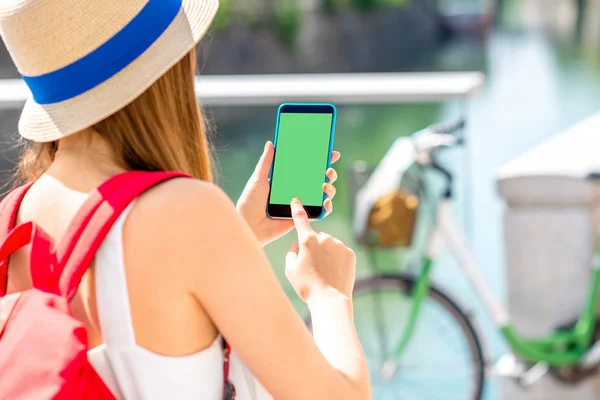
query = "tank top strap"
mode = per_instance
[{"x": 112, "y": 296}]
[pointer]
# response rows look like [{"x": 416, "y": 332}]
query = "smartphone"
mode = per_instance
[{"x": 303, "y": 145}]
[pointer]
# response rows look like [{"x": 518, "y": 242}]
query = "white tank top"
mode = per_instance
[{"x": 135, "y": 373}]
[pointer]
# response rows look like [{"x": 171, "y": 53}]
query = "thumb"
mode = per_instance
[
  {"x": 261, "y": 172},
  {"x": 292, "y": 253}
]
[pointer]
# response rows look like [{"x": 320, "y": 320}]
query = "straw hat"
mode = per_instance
[{"x": 85, "y": 59}]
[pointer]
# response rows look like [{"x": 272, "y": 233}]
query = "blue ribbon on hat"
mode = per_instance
[{"x": 108, "y": 59}]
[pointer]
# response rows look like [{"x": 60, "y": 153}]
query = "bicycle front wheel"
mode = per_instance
[{"x": 444, "y": 357}]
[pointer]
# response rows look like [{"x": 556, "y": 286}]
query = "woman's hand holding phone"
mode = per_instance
[
  {"x": 318, "y": 263},
  {"x": 253, "y": 200}
]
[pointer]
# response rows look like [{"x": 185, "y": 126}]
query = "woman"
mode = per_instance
[{"x": 113, "y": 90}]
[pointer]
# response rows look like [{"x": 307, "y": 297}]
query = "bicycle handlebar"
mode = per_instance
[
  {"x": 448, "y": 127},
  {"x": 429, "y": 140},
  {"x": 445, "y": 134}
]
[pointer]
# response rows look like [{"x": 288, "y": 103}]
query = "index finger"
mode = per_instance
[{"x": 300, "y": 218}]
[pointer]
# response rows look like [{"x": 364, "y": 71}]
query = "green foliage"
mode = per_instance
[
  {"x": 364, "y": 5},
  {"x": 331, "y": 6},
  {"x": 394, "y": 2},
  {"x": 287, "y": 15},
  {"x": 229, "y": 14},
  {"x": 287, "y": 20},
  {"x": 223, "y": 19}
]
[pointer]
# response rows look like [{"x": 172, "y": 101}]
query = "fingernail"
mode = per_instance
[
  {"x": 329, "y": 187},
  {"x": 296, "y": 200},
  {"x": 266, "y": 146}
]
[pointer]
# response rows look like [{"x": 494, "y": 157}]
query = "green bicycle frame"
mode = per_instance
[
  {"x": 564, "y": 347},
  {"x": 561, "y": 348},
  {"x": 419, "y": 293}
]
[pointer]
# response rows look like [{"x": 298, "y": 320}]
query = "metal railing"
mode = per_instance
[{"x": 266, "y": 90}]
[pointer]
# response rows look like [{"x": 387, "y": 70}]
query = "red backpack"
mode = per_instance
[{"x": 43, "y": 348}]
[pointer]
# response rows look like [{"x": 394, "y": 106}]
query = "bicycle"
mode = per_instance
[{"x": 410, "y": 310}]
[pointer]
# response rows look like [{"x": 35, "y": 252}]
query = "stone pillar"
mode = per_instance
[{"x": 551, "y": 225}]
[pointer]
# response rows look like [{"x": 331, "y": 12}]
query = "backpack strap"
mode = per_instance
[
  {"x": 84, "y": 236},
  {"x": 93, "y": 221},
  {"x": 91, "y": 225},
  {"x": 9, "y": 208},
  {"x": 42, "y": 259}
]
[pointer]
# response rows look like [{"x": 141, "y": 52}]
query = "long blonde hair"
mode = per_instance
[{"x": 161, "y": 130}]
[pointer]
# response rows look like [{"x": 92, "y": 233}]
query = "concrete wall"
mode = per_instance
[{"x": 550, "y": 229}]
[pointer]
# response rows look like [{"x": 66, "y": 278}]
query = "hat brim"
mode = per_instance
[{"x": 49, "y": 122}]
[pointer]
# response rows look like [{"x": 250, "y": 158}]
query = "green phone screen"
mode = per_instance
[{"x": 301, "y": 158}]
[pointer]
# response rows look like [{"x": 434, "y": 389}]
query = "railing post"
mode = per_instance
[{"x": 550, "y": 225}]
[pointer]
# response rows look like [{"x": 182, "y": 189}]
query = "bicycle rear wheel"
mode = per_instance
[{"x": 444, "y": 358}]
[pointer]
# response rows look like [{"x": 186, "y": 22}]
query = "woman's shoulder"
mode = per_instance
[
  {"x": 168, "y": 214},
  {"x": 181, "y": 198},
  {"x": 178, "y": 224},
  {"x": 178, "y": 191}
]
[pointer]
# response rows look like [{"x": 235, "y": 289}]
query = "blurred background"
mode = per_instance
[{"x": 540, "y": 58}]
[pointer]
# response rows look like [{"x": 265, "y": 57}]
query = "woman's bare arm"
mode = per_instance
[{"x": 227, "y": 271}]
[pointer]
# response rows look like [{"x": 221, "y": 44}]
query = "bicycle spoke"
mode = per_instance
[
  {"x": 439, "y": 362},
  {"x": 396, "y": 393},
  {"x": 437, "y": 382},
  {"x": 380, "y": 325},
  {"x": 431, "y": 345},
  {"x": 427, "y": 389},
  {"x": 435, "y": 374},
  {"x": 427, "y": 356}
]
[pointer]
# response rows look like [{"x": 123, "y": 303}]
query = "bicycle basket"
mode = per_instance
[{"x": 386, "y": 199}]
